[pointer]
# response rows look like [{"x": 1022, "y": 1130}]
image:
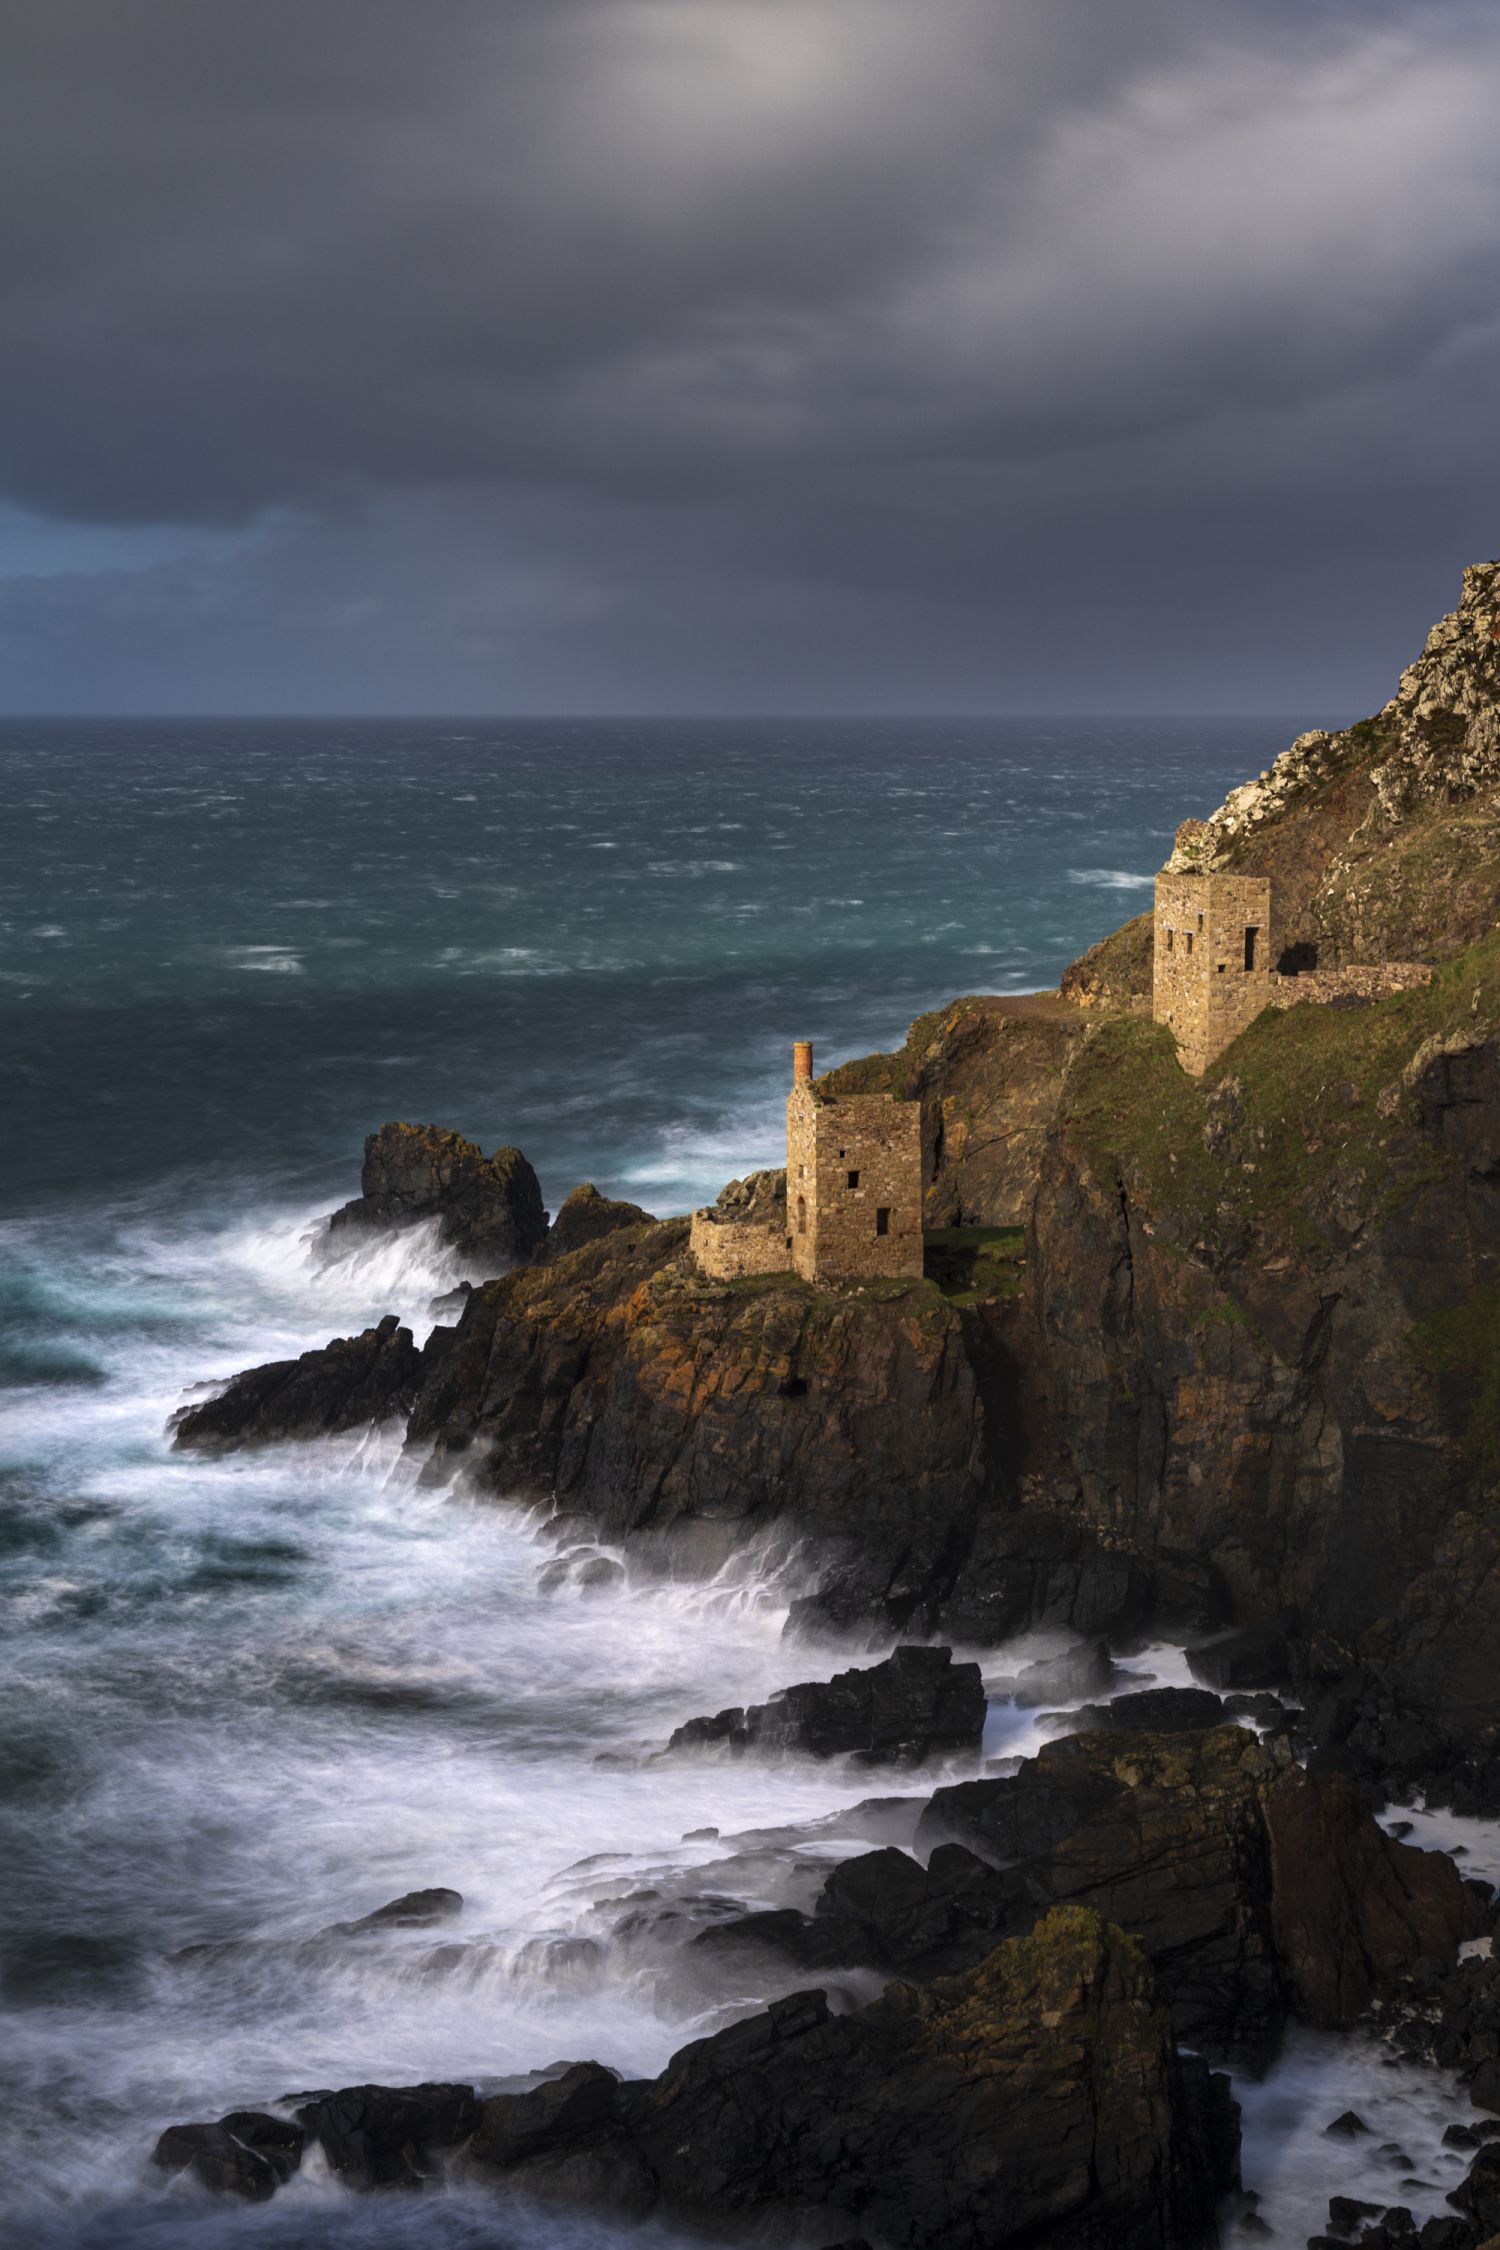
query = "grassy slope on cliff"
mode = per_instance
[{"x": 1306, "y": 1118}]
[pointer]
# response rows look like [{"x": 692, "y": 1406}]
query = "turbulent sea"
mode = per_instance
[{"x": 242, "y": 1700}]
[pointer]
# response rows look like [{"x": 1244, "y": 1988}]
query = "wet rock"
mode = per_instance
[
  {"x": 1348, "y": 2126},
  {"x": 387, "y": 2136},
  {"x": 1241, "y": 1660},
  {"x": 955, "y": 2125},
  {"x": 1059, "y": 1679},
  {"x": 1478, "y": 2196},
  {"x": 917, "y": 1704},
  {"x": 1164, "y": 1710},
  {"x": 345, "y": 1385},
  {"x": 585, "y": 1217},
  {"x": 489, "y": 1208},
  {"x": 414, "y": 1910},
  {"x": 1267, "y": 1711},
  {"x": 248, "y": 2153},
  {"x": 1353, "y": 1910},
  {"x": 580, "y": 1571},
  {"x": 1250, "y": 1884}
]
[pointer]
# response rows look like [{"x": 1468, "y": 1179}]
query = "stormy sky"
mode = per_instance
[{"x": 742, "y": 355}]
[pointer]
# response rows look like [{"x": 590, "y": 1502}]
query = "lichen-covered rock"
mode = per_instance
[
  {"x": 350, "y": 1384},
  {"x": 658, "y": 1403},
  {"x": 587, "y": 1215},
  {"x": 1254, "y": 1887},
  {"x": 1037, "y": 2097},
  {"x": 918, "y": 1704},
  {"x": 489, "y": 1208}
]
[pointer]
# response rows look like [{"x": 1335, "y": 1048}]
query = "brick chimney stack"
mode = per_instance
[{"x": 802, "y": 1062}]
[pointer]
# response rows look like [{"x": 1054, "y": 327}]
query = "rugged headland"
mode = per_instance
[{"x": 1218, "y": 1355}]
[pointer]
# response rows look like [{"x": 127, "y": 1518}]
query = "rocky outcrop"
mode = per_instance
[
  {"x": 489, "y": 1208},
  {"x": 987, "y": 1071},
  {"x": 933, "y": 2116},
  {"x": 917, "y": 1705},
  {"x": 249, "y": 2153},
  {"x": 1255, "y": 1888},
  {"x": 388, "y": 2136},
  {"x": 1378, "y": 839},
  {"x": 586, "y": 1216},
  {"x": 659, "y": 1403},
  {"x": 1262, "y": 1312},
  {"x": 350, "y": 1384}
]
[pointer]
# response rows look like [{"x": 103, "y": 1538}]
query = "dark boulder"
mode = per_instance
[
  {"x": 1162, "y": 1710},
  {"x": 1255, "y": 1888},
  {"x": 248, "y": 2153},
  {"x": 916, "y": 1704},
  {"x": 489, "y": 1208},
  {"x": 1353, "y": 1911},
  {"x": 940, "y": 2116},
  {"x": 385, "y": 2136},
  {"x": 414, "y": 1910},
  {"x": 1059, "y": 1679},
  {"x": 345, "y": 1385},
  {"x": 1241, "y": 1660},
  {"x": 585, "y": 1217}
]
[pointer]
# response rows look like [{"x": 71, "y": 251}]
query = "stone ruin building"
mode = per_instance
[
  {"x": 1211, "y": 970},
  {"x": 1215, "y": 965},
  {"x": 853, "y": 1203}
]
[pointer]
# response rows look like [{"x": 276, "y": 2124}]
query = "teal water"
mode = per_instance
[{"x": 244, "y": 1699}]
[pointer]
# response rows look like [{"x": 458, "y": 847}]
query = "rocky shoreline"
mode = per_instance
[{"x": 1236, "y": 1384}]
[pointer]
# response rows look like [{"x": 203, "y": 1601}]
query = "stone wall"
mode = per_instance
[
  {"x": 1372, "y": 983},
  {"x": 854, "y": 1185},
  {"x": 727, "y": 1250},
  {"x": 1211, "y": 960}
]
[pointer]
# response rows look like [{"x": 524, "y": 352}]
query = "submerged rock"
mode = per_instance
[
  {"x": 346, "y": 1385},
  {"x": 945, "y": 2116},
  {"x": 488, "y": 1208},
  {"x": 917, "y": 1704}
]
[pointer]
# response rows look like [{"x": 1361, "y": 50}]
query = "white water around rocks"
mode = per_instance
[{"x": 242, "y": 1700}]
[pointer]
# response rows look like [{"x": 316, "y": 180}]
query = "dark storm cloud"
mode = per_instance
[{"x": 745, "y": 351}]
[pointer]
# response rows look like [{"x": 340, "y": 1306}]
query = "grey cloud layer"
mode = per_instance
[{"x": 771, "y": 310}]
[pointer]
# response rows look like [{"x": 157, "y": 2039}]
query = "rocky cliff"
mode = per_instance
[
  {"x": 1382, "y": 841},
  {"x": 1252, "y": 1369},
  {"x": 1263, "y": 1307}
]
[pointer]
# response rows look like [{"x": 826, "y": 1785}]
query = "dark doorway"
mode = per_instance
[{"x": 1251, "y": 937}]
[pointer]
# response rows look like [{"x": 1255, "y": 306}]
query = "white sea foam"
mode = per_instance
[{"x": 1111, "y": 878}]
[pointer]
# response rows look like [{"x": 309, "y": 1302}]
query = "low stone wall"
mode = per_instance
[
  {"x": 727, "y": 1252},
  {"x": 1358, "y": 983}
]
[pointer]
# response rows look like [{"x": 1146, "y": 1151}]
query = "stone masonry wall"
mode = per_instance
[
  {"x": 728, "y": 1251},
  {"x": 1355, "y": 983},
  {"x": 854, "y": 1185},
  {"x": 1209, "y": 977}
]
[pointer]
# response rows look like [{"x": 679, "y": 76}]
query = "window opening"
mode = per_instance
[
  {"x": 1251, "y": 934},
  {"x": 802, "y": 1214},
  {"x": 854, "y": 1179},
  {"x": 1170, "y": 935},
  {"x": 882, "y": 1220}
]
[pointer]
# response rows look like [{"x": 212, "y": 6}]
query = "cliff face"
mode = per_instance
[
  {"x": 1264, "y": 1307},
  {"x": 1382, "y": 841},
  {"x": 988, "y": 1072}
]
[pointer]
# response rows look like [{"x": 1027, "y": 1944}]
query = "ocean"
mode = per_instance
[{"x": 245, "y": 1699}]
